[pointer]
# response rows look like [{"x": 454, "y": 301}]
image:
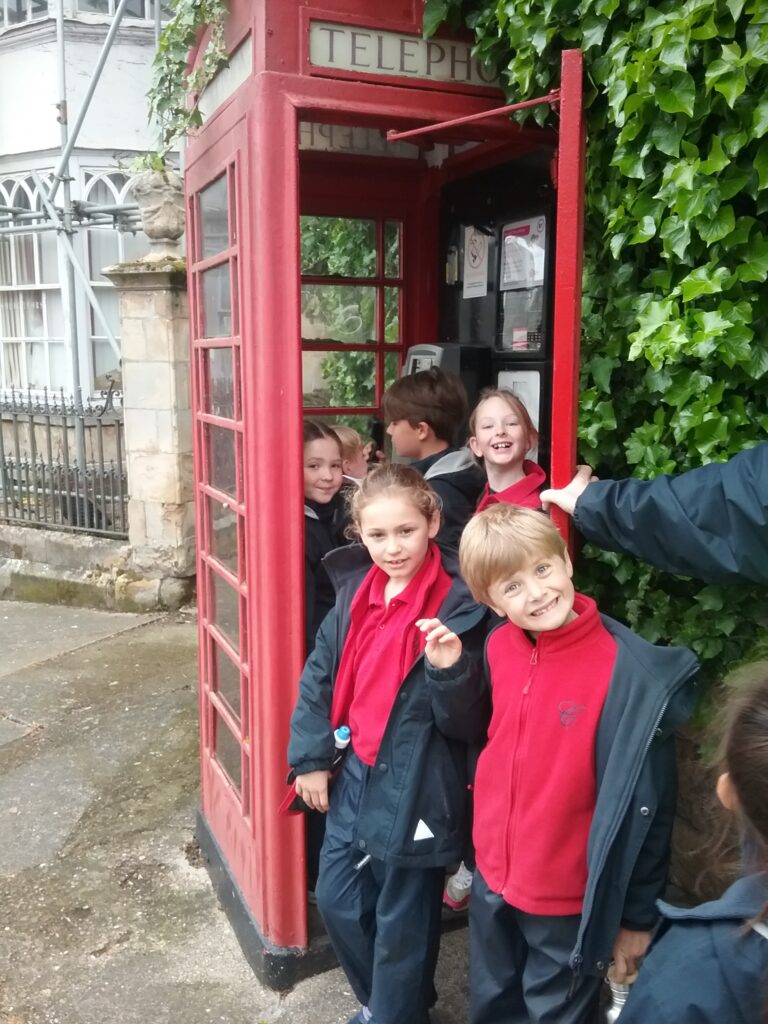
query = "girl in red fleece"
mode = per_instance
[
  {"x": 502, "y": 434},
  {"x": 397, "y": 812}
]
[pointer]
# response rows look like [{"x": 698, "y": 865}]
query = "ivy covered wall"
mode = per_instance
[{"x": 675, "y": 326}]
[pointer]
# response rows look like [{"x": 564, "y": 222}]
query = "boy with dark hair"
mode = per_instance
[
  {"x": 424, "y": 412},
  {"x": 574, "y": 794}
]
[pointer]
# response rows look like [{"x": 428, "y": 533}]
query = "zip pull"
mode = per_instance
[{"x": 534, "y": 661}]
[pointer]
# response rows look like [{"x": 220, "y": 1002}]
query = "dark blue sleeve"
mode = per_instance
[
  {"x": 460, "y": 694},
  {"x": 710, "y": 523},
  {"x": 311, "y": 744}
]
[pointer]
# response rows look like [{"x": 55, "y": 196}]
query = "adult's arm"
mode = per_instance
[{"x": 710, "y": 523}]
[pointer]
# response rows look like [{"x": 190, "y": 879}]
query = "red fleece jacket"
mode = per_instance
[
  {"x": 525, "y": 492},
  {"x": 535, "y": 786}
]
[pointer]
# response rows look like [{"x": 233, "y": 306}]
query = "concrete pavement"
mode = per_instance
[{"x": 106, "y": 914}]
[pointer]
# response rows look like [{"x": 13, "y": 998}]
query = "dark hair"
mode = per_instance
[
  {"x": 435, "y": 397},
  {"x": 387, "y": 478},
  {"x": 314, "y": 430},
  {"x": 744, "y": 755}
]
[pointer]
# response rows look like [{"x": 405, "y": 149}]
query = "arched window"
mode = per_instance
[
  {"x": 16, "y": 12},
  {"x": 32, "y": 352},
  {"x": 106, "y": 246}
]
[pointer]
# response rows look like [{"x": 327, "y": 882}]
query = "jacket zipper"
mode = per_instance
[
  {"x": 522, "y": 722},
  {"x": 576, "y": 959}
]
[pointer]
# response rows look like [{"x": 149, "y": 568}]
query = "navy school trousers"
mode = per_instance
[
  {"x": 518, "y": 965},
  {"x": 383, "y": 921}
]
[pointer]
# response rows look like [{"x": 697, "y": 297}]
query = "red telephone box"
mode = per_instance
[{"x": 295, "y": 141}]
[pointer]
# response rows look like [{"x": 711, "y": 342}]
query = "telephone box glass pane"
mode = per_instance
[
  {"x": 220, "y": 396},
  {"x": 227, "y": 750},
  {"x": 227, "y": 678},
  {"x": 332, "y": 312},
  {"x": 392, "y": 248},
  {"x": 217, "y": 302},
  {"x": 391, "y": 368},
  {"x": 222, "y": 524},
  {"x": 522, "y": 327},
  {"x": 214, "y": 222},
  {"x": 392, "y": 314},
  {"x": 226, "y": 609},
  {"x": 220, "y": 448},
  {"x": 338, "y": 378},
  {"x": 338, "y": 247}
]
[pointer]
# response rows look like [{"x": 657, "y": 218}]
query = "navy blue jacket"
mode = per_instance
[
  {"x": 457, "y": 479},
  {"x": 710, "y": 523},
  {"x": 651, "y": 693},
  {"x": 705, "y": 966},
  {"x": 420, "y": 772}
]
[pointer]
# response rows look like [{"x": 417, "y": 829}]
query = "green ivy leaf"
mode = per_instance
[
  {"x": 679, "y": 97},
  {"x": 676, "y": 235},
  {"x": 761, "y": 165},
  {"x": 760, "y": 118},
  {"x": 435, "y": 13},
  {"x": 712, "y": 229},
  {"x": 703, "y": 281}
]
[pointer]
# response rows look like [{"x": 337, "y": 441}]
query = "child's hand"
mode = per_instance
[
  {"x": 627, "y": 950},
  {"x": 313, "y": 789},
  {"x": 443, "y": 647}
]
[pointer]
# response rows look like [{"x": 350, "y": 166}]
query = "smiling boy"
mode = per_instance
[{"x": 575, "y": 789}]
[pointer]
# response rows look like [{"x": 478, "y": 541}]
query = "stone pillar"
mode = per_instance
[{"x": 154, "y": 332}]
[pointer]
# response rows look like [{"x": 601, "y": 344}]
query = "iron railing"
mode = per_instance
[{"x": 43, "y": 482}]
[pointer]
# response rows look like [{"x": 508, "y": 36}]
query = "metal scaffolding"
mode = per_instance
[{"x": 74, "y": 215}]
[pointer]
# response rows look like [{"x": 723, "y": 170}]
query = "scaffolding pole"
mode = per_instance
[{"x": 68, "y": 144}]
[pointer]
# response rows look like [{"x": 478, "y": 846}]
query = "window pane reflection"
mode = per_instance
[
  {"x": 221, "y": 383},
  {"x": 331, "y": 312},
  {"x": 217, "y": 302},
  {"x": 338, "y": 378},
  {"x": 227, "y": 678},
  {"x": 392, "y": 248},
  {"x": 226, "y": 609},
  {"x": 227, "y": 751},
  {"x": 222, "y": 523},
  {"x": 338, "y": 246},
  {"x": 221, "y": 459},
  {"x": 214, "y": 221}
]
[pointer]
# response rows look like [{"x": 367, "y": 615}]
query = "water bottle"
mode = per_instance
[
  {"x": 341, "y": 738},
  {"x": 619, "y": 993}
]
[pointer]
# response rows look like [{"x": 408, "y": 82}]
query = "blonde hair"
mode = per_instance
[
  {"x": 349, "y": 439},
  {"x": 498, "y": 541},
  {"x": 517, "y": 406},
  {"x": 389, "y": 480}
]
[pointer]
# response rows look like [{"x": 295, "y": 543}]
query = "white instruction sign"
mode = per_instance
[
  {"x": 475, "y": 263},
  {"x": 522, "y": 253}
]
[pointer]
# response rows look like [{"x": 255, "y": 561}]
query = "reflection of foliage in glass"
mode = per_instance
[
  {"x": 338, "y": 247},
  {"x": 345, "y": 247}
]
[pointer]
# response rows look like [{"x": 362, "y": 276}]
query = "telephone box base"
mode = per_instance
[{"x": 276, "y": 967}]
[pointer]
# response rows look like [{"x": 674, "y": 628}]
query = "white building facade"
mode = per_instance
[{"x": 33, "y": 346}]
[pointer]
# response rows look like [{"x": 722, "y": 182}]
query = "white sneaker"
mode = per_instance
[{"x": 457, "y": 889}]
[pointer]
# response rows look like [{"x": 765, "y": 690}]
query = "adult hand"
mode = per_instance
[
  {"x": 627, "y": 950},
  {"x": 443, "y": 647},
  {"x": 566, "y": 497},
  {"x": 313, "y": 789}
]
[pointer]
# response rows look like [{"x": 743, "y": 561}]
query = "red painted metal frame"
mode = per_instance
[
  {"x": 552, "y": 98},
  {"x": 255, "y": 131},
  {"x": 569, "y": 254}
]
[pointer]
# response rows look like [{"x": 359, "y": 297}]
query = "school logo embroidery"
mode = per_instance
[{"x": 569, "y": 712}]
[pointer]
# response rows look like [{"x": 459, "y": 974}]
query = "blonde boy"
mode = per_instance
[{"x": 574, "y": 793}]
